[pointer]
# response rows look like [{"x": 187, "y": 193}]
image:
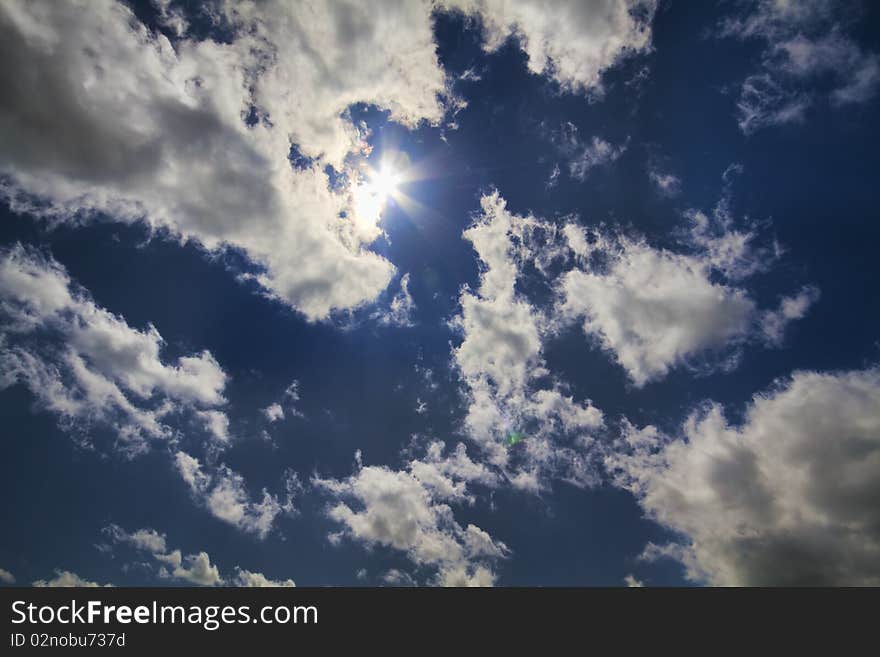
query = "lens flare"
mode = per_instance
[
  {"x": 383, "y": 183},
  {"x": 372, "y": 192}
]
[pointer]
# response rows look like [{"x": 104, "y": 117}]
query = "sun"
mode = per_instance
[
  {"x": 382, "y": 186},
  {"x": 371, "y": 192},
  {"x": 384, "y": 183}
]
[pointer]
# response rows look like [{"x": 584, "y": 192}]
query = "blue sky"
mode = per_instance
[{"x": 278, "y": 282}]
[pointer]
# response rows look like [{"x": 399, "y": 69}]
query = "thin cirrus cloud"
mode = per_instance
[
  {"x": 583, "y": 155},
  {"x": 804, "y": 43}
]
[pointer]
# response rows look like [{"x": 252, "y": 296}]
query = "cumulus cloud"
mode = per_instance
[
  {"x": 148, "y": 540},
  {"x": 217, "y": 424},
  {"x": 274, "y": 412},
  {"x": 655, "y": 309},
  {"x": 249, "y": 579},
  {"x": 804, "y": 43},
  {"x": 395, "y": 577},
  {"x": 88, "y": 365},
  {"x": 447, "y": 475},
  {"x": 193, "y": 568},
  {"x": 324, "y": 57},
  {"x": 570, "y": 40},
  {"x": 224, "y": 493},
  {"x": 500, "y": 359},
  {"x": 786, "y": 497},
  {"x": 197, "y": 146},
  {"x": 407, "y": 510},
  {"x": 6, "y": 577},
  {"x": 67, "y": 579},
  {"x": 632, "y": 582},
  {"x": 174, "y": 149}
]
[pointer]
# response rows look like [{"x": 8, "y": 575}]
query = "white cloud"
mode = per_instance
[
  {"x": 193, "y": 568},
  {"x": 764, "y": 102},
  {"x": 326, "y": 56},
  {"x": 196, "y": 146},
  {"x": 224, "y": 494},
  {"x": 447, "y": 476},
  {"x": 500, "y": 358},
  {"x": 667, "y": 184},
  {"x": 395, "y": 577},
  {"x": 569, "y": 40},
  {"x": 401, "y": 309},
  {"x": 65, "y": 578},
  {"x": 274, "y": 412},
  {"x": 249, "y": 579},
  {"x": 292, "y": 391},
  {"x": 774, "y": 322},
  {"x": 460, "y": 576},
  {"x": 6, "y": 577},
  {"x": 787, "y": 497},
  {"x": 407, "y": 511},
  {"x": 576, "y": 240},
  {"x": 173, "y": 149},
  {"x": 804, "y": 41},
  {"x": 148, "y": 540},
  {"x": 217, "y": 424},
  {"x": 171, "y": 17},
  {"x": 86, "y": 364},
  {"x": 583, "y": 155},
  {"x": 553, "y": 180},
  {"x": 655, "y": 309},
  {"x": 632, "y": 582},
  {"x": 733, "y": 251},
  {"x": 596, "y": 153}
]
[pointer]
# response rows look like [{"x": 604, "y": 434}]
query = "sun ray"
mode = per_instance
[{"x": 375, "y": 187}]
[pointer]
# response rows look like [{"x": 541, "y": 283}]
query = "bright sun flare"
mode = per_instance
[
  {"x": 383, "y": 183},
  {"x": 372, "y": 193}
]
